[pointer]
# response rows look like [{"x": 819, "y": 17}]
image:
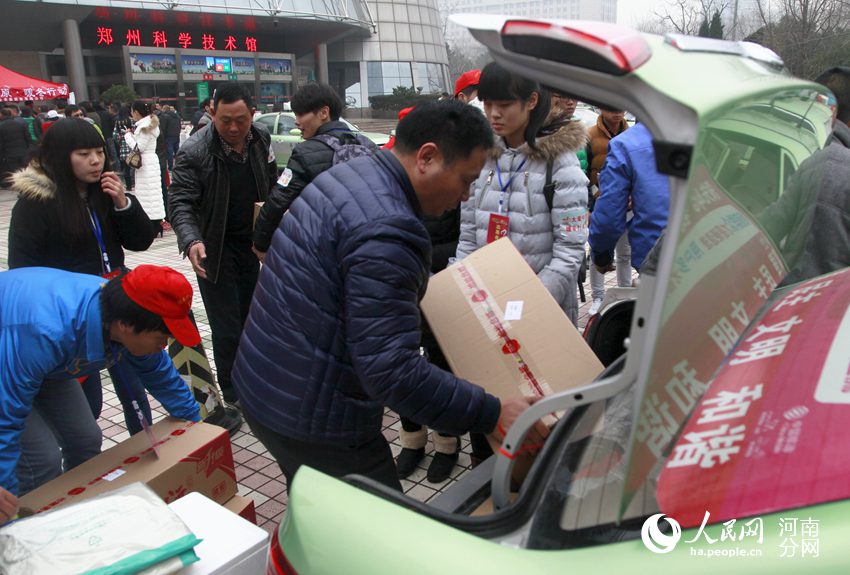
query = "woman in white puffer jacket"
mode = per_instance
[
  {"x": 148, "y": 188},
  {"x": 508, "y": 198}
]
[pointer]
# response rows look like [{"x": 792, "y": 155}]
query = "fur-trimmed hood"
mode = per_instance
[
  {"x": 32, "y": 183},
  {"x": 148, "y": 123},
  {"x": 560, "y": 134}
]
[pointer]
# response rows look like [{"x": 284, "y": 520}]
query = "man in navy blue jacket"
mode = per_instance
[{"x": 334, "y": 329}]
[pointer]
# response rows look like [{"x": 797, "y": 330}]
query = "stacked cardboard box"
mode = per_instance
[{"x": 193, "y": 457}]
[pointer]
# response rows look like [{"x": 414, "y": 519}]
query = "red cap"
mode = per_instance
[
  {"x": 467, "y": 79},
  {"x": 168, "y": 294},
  {"x": 401, "y": 114}
]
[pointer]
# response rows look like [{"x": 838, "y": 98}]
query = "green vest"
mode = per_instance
[
  {"x": 582, "y": 159},
  {"x": 31, "y": 127}
]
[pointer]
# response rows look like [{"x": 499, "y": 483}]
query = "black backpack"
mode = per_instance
[
  {"x": 549, "y": 186},
  {"x": 347, "y": 146}
]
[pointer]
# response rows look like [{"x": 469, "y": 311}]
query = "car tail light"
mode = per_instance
[
  {"x": 615, "y": 49},
  {"x": 278, "y": 563}
]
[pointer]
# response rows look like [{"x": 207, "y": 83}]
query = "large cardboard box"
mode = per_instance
[
  {"x": 499, "y": 327},
  {"x": 192, "y": 457}
]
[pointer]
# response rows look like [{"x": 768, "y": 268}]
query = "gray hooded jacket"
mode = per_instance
[{"x": 552, "y": 242}]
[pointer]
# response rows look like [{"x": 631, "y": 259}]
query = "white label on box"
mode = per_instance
[
  {"x": 513, "y": 310},
  {"x": 114, "y": 475}
]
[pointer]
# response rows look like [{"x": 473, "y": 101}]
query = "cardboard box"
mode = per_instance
[
  {"x": 243, "y": 507},
  {"x": 192, "y": 457},
  {"x": 499, "y": 327},
  {"x": 486, "y": 507}
]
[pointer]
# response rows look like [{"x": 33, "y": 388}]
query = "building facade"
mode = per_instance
[
  {"x": 406, "y": 49},
  {"x": 177, "y": 51}
]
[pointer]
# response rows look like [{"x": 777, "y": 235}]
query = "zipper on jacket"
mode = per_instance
[
  {"x": 485, "y": 189},
  {"x": 223, "y": 170},
  {"x": 528, "y": 194}
]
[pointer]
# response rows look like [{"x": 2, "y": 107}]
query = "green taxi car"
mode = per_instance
[
  {"x": 717, "y": 442},
  {"x": 286, "y": 135}
]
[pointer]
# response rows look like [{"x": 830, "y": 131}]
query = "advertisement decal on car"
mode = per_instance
[{"x": 763, "y": 438}]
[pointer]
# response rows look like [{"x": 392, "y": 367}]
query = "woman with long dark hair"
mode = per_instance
[
  {"x": 68, "y": 206},
  {"x": 73, "y": 215},
  {"x": 148, "y": 185},
  {"x": 532, "y": 188}
]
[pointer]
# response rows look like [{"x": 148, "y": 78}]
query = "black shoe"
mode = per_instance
[
  {"x": 226, "y": 417},
  {"x": 407, "y": 461},
  {"x": 441, "y": 467}
]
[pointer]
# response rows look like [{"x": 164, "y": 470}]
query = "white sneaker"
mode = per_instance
[{"x": 594, "y": 307}]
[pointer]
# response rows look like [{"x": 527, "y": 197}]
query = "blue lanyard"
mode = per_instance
[
  {"x": 504, "y": 187},
  {"x": 98, "y": 234}
]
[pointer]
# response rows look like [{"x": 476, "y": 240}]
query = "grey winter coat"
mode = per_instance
[
  {"x": 552, "y": 242},
  {"x": 811, "y": 220}
]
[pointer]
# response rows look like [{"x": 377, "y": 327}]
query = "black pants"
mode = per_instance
[
  {"x": 227, "y": 302},
  {"x": 372, "y": 459},
  {"x": 129, "y": 176}
]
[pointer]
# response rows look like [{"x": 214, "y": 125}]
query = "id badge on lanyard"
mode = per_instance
[
  {"x": 498, "y": 227},
  {"x": 106, "y": 267},
  {"x": 500, "y": 222}
]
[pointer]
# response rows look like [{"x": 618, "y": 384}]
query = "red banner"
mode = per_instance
[
  {"x": 770, "y": 432},
  {"x": 16, "y": 87}
]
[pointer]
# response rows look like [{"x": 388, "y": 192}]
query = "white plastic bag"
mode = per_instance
[{"x": 120, "y": 532}]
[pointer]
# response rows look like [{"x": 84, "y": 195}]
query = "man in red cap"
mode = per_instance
[
  {"x": 57, "y": 326},
  {"x": 466, "y": 88},
  {"x": 402, "y": 113}
]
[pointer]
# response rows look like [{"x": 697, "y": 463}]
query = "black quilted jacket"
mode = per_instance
[
  {"x": 200, "y": 188},
  {"x": 309, "y": 159}
]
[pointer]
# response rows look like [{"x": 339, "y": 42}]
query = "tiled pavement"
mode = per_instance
[{"x": 258, "y": 475}]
